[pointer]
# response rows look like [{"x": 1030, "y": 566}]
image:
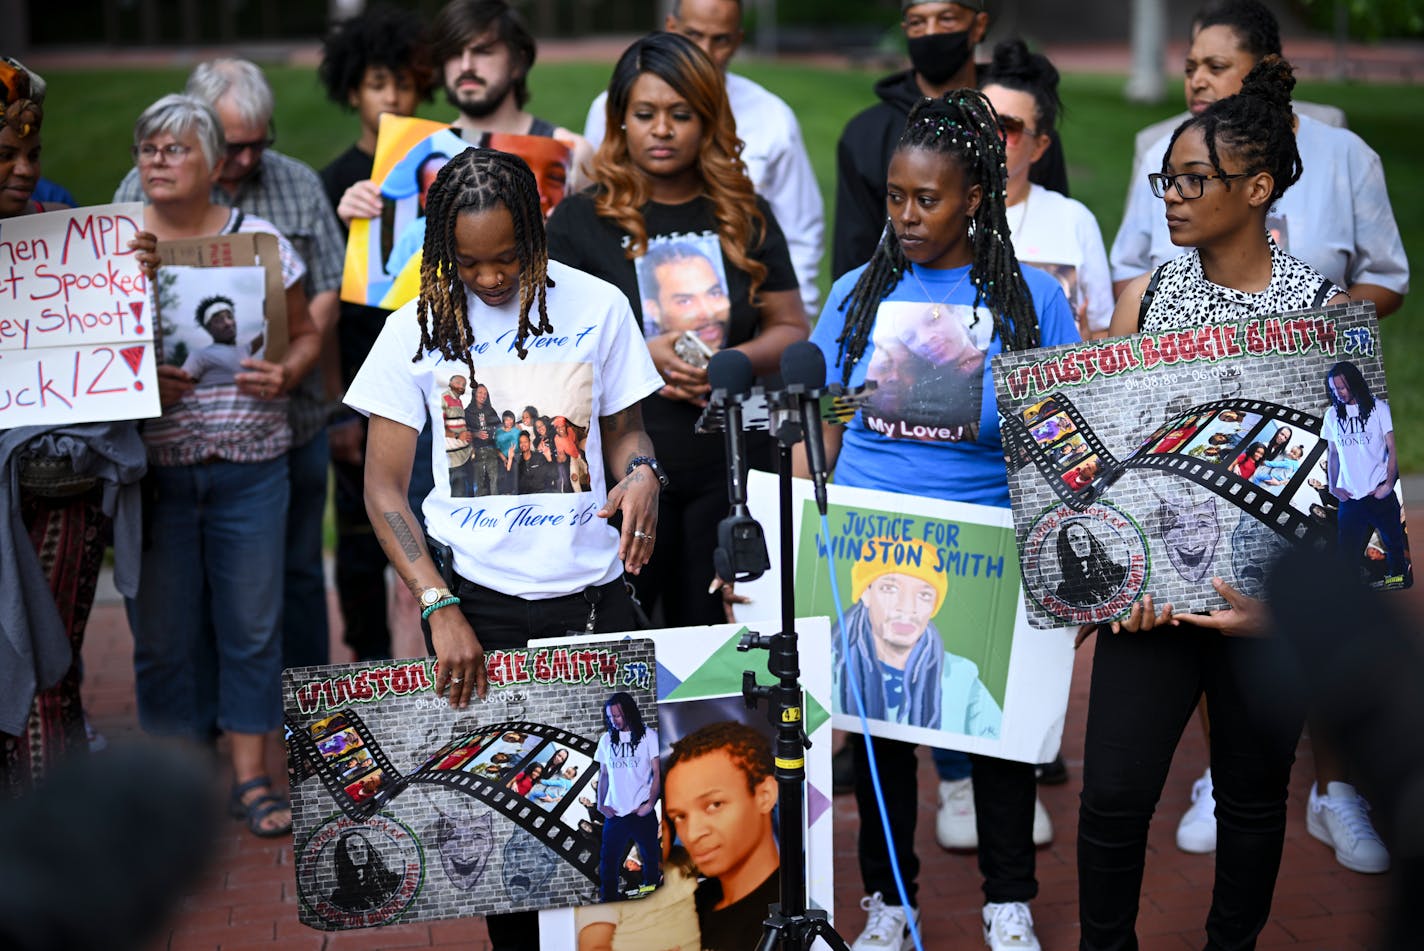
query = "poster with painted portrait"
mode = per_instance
[
  {"x": 383, "y": 254},
  {"x": 1206, "y": 452},
  {"x": 929, "y": 636},
  {"x": 406, "y": 810},
  {"x": 928, "y": 366},
  {"x": 510, "y": 432},
  {"x": 722, "y": 854},
  {"x": 683, "y": 286},
  {"x": 211, "y": 319}
]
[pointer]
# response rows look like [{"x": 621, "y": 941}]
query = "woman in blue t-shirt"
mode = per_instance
[{"x": 942, "y": 294}]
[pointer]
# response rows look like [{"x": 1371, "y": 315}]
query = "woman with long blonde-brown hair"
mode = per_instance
[{"x": 674, "y": 222}]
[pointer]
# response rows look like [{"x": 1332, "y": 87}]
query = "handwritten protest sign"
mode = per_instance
[{"x": 76, "y": 334}]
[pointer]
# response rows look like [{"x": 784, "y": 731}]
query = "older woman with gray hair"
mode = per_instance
[{"x": 206, "y": 620}]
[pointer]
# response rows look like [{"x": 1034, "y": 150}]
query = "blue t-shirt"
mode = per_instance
[
  {"x": 932, "y": 426},
  {"x": 506, "y": 439}
]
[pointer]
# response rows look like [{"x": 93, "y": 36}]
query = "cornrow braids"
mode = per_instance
[
  {"x": 479, "y": 180},
  {"x": 1256, "y": 125},
  {"x": 963, "y": 126}
]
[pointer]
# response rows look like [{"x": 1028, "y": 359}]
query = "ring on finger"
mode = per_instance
[
  {"x": 645, "y": 535},
  {"x": 457, "y": 680}
]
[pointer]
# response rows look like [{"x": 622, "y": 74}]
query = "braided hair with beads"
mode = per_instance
[
  {"x": 963, "y": 127},
  {"x": 1256, "y": 125},
  {"x": 479, "y": 180}
]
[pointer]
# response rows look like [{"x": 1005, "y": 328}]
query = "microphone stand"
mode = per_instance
[{"x": 790, "y": 925}]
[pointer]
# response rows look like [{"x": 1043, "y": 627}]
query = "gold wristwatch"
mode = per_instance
[{"x": 432, "y": 596}]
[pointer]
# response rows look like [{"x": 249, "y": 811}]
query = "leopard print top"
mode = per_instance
[{"x": 1185, "y": 298}]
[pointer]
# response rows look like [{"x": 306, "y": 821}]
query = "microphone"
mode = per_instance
[
  {"x": 803, "y": 365},
  {"x": 741, "y": 546},
  {"x": 731, "y": 376}
]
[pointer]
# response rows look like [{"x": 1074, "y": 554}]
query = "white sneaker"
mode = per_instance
[
  {"x": 1340, "y": 819},
  {"x": 1008, "y": 926},
  {"x": 1042, "y": 825},
  {"x": 1197, "y": 831},
  {"x": 887, "y": 927},
  {"x": 96, "y": 740},
  {"x": 955, "y": 823}
]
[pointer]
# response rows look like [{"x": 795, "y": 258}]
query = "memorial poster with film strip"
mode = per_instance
[
  {"x": 1150, "y": 464},
  {"x": 404, "y": 809},
  {"x": 714, "y": 799}
]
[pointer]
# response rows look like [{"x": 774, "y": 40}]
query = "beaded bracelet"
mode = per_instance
[{"x": 442, "y": 603}]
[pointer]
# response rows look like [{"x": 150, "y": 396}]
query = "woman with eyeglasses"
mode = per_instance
[
  {"x": 1050, "y": 230},
  {"x": 1337, "y": 218},
  {"x": 1223, "y": 171},
  {"x": 211, "y": 577}
]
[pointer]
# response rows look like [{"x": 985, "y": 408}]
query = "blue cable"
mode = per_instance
[{"x": 855, "y": 691}]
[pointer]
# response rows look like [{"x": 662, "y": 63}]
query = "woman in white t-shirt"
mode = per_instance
[
  {"x": 1050, "y": 231},
  {"x": 535, "y": 333}
]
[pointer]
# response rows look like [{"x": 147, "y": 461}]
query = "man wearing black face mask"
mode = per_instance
[{"x": 942, "y": 38}]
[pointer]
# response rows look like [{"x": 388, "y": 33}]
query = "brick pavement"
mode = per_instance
[{"x": 248, "y": 900}]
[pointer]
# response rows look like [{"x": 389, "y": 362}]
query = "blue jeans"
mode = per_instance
[
  {"x": 619, "y": 832},
  {"x": 952, "y": 765},
  {"x": 1360, "y": 517},
  {"x": 205, "y": 622},
  {"x": 305, "y": 634}
]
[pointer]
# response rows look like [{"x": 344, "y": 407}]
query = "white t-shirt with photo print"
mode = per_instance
[{"x": 595, "y": 364}]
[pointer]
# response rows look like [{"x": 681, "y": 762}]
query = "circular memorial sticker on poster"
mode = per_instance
[
  {"x": 357, "y": 874},
  {"x": 1086, "y": 566}
]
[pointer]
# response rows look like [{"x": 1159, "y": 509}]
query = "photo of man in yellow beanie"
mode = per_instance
[{"x": 896, "y": 651}]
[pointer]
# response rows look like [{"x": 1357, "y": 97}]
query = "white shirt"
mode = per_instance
[
  {"x": 1059, "y": 235},
  {"x": 1360, "y": 448},
  {"x": 594, "y": 364},
  {"x": 1337, "y": 218},
  {"x": 778, "y": 166},
  {"x": 629, "y": 767}
]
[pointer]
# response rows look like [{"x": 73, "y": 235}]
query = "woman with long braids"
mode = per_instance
[
  {"x": 1222, "y": 172},
  {"x": 943, "y": 293},
  {"x": 673, "y": 221},
  {"x": 493, "y": 573}
]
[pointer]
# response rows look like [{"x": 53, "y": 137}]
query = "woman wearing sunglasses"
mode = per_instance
[
  {"x": 1050, "y": 231},
  {"x": 1223, "y": 171}
]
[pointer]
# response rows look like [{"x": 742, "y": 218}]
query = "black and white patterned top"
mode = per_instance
[{"x": 1185, "y": 298}]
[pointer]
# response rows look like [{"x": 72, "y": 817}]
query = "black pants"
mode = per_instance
[
  {"x": 360, "y": 568},
  {"x": 503, "y": 622},
  {"x": 673, "y": 584},
  {"x": 1144, "y": 689},
  {"x": 1004, "y": 793}
]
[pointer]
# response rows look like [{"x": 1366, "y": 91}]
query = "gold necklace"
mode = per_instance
[{"x": 937, "y": 304}]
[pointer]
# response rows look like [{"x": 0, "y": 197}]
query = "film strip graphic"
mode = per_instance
[
  {"x": 1257, "y": 455},
  {"x": 533, "y": 774}
]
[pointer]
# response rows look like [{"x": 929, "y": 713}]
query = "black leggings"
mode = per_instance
[{"x": 1145, "y": 687}]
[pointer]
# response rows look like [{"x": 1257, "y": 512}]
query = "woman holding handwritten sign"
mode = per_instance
[
  {"x": 53, "y": 539},
  {"x": 212, "y": 574}
]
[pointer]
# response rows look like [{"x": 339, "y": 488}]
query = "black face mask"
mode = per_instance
[{"x": 938, "y": 56}]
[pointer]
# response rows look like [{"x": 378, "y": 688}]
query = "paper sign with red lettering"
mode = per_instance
[{"x": 76, "y": 334}]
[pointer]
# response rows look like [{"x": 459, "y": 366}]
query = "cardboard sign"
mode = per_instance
[
  {"x": 76, "y": 334},
  {"x": 935, "y": 642},
  {"x": 239, "y": 250},
  {"x": 406, "y": 810},
  {"x": 1155, "y": 462},
  {"x": 699, "y": 700},
  {"x": 383, "y": 254}
]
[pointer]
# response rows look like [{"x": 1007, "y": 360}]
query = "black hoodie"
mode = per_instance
[{"x": 863, "y": 158}]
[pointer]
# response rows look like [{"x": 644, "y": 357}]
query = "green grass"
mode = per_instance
[{"x": 91, "y": 116}]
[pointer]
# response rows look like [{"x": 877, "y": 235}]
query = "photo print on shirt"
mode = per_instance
[
  {"x": 511, "y": 431},
  {"x": 928, "y": 365},
  {"x": 683, "y": 286},
  {"x": 211, "y": 318}
]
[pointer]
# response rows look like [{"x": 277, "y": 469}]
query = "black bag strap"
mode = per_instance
[
  {"x": 1322, "y": 293},
  {"x": 1147, "y": 295}
]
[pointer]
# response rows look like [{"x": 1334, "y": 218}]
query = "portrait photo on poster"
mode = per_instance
[
  {"x": 928, "y": 366},
  {"x": 512, "y": 432},
  {"x": 682, "y": 283},
  {"x": 211, "y": 319}
]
